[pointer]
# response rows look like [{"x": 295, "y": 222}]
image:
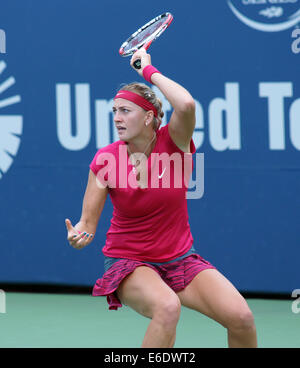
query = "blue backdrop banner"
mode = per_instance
[{"x": 59, "y": 70}]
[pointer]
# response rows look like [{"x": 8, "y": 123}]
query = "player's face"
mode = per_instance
[{"x": 129, "y": 119}]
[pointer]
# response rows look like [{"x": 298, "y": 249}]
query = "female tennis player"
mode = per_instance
[{"x": 150, "y": 262}]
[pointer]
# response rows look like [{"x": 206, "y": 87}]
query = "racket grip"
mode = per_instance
[{"x": 137, "y": 64}]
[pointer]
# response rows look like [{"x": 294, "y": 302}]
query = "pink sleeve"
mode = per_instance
[
  {"x": 103, "y": 166},
  {"x": 97, "y": 164},
  {"x": 165, "y": 133},
  {"x": 93, "y": 165}
]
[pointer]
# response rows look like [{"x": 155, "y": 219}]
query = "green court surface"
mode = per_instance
[{"x": 37, "y": 320}]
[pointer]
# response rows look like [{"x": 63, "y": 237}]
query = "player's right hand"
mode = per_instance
[{"x": 77, "y": 239}]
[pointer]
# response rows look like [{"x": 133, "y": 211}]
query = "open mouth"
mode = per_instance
[{"x": 120, "y": 129}]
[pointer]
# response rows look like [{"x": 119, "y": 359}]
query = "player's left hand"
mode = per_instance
[{"x": 144, "y": 57}]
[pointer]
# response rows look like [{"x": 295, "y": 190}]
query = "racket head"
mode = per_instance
[{"x": 145, "y": 35}]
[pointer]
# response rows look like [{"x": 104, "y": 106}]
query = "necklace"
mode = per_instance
[{"x": 138, "y": 161}]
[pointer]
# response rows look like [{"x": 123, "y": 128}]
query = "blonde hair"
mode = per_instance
[{"x": 146, "y": 92}]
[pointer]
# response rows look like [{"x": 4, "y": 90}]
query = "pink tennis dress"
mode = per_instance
[{"x": 149, "y": 226}]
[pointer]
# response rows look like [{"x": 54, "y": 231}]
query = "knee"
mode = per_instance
[
  {"x": 243, "y": 321},
  {"x": 167, "y": 312}
]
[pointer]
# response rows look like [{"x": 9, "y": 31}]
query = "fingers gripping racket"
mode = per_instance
[{"x": 145, "y": 35}]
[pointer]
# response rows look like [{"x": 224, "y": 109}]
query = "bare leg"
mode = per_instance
[
  {"x": 212, "y": 294},
  {"x": 149, "y": 295}
]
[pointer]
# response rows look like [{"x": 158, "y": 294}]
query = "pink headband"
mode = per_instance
[{"x": 137, "y": 99}]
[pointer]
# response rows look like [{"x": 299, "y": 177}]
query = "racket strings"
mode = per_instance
[{"x": 146, "y": 34}]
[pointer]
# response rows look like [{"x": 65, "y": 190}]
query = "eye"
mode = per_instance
[{"x": 121, "y": 109}]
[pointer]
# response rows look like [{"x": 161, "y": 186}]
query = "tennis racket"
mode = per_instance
[{"x": 145, "y": 35}]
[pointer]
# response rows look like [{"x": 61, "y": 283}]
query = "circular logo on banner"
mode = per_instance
[
  {"x": 267, "y": 15},
  {"x": 11, "y": 126}
]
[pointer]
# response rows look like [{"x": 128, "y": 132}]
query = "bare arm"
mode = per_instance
[
  {"x": 94, "y": 199},
  {"x": 183, "y": 119},
  {"x": 182, "y": 122}
]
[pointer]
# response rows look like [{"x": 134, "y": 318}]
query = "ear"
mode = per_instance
[{"x": 149, "y": 117}]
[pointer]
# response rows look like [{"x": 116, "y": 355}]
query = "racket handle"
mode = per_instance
[{"x": 137, "y": 64}]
